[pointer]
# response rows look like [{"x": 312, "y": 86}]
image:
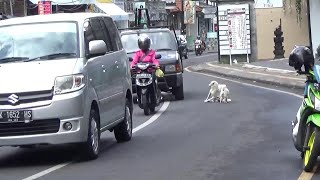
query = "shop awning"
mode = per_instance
[{"x": 113, "y": 10}]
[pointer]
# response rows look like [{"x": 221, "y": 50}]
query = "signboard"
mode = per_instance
[
  {"x": 157, "y": 10},
  {"x": 237, "y": 32},
  {"x": 139, "y": 5},
  {"x": 268, "y": 3},
  {"x": 234, "y": 29},
  {"x": 189, "y": 12},
  {"x": 44, "y": 7}
]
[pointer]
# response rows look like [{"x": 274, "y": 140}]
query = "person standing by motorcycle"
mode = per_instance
[
  {"x": 302, "y": 56},
  {"x": 147, "y": 55}
]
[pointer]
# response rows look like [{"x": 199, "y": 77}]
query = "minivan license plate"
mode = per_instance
[{"x": 15, "y": 116}]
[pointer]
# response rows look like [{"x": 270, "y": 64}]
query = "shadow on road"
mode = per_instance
[{"x": 48, "y": 155}]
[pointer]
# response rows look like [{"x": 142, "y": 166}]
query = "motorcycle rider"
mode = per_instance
[
  {"x": 147, "y": 55},
  {"x": 198, "y": 41}
]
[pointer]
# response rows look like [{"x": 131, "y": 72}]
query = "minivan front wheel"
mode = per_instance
[{"x": 92, "y": 146}]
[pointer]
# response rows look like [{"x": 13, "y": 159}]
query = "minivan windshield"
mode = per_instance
[
  {"x": 26, "y": 42},
  {"x": 159, "y": 41}
]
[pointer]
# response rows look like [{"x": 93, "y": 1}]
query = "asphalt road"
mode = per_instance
[{"x": 248, "y": 138}]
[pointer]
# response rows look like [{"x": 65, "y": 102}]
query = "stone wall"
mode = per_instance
[{"x": 268, "y": 19}]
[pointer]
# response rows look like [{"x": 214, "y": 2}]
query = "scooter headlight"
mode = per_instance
[
  {"x": 312, "y": 97},
  {"x": 142, "y": 66},
  {"x": 317, "y": 104},
  {"x": 314, "y": 100}
]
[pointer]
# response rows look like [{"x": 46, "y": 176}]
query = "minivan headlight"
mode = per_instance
[{"x": 70, "y": 83}]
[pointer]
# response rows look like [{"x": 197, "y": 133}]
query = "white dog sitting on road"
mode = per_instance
[
  {"x": 224, "y": 95},
  {"x": 216, "y": 92}
]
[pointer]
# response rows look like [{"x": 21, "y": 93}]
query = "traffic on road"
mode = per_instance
[{"x": 81, "y": 99}]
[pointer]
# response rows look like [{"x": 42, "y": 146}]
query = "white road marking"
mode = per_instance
[
  {"x": 47, "y": 171},
  {"x": 153, "y": 118},
  {"x": 136, "y": 129},
  {"x": 304, "y": 175}
]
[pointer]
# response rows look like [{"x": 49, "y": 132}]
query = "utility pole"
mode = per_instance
[
  {"x": 11, "y": 7},
  {"x": 218, "y": 39},
  {"x": 182, "y": 17}
]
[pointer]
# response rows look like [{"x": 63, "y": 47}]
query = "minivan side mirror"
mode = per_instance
[
  {"x": 130, "y": 59},
  {"x": 97, "y": 47},
  {"x": 158, "y": 56}
]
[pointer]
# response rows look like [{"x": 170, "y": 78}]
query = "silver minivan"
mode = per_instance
[{"x": 64, "y": 78}]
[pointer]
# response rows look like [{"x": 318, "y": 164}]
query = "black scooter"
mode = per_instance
[
  {"x": 198, "y": 49},
  {"x": 148, "y": 93}
]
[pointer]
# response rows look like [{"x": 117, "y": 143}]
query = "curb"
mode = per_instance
[{"x": 286, "y": 85}]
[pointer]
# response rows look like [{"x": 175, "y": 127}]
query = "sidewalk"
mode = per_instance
[
  {"x": 279, "y": 77},
  {"x": 278, "y": 63}
]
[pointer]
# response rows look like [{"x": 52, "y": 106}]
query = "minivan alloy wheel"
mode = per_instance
[
  {"x": 94, "y": 135},
  {"x": 128, "y": 120}
]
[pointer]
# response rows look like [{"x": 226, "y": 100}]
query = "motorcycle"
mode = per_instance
[
  {"x": 306, "y": 126},
  {"x": 198, "y": 49},
  {"x": 148, "y": 93}
]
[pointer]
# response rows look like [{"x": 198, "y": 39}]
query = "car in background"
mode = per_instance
[
  {"x": 65, "y": 78},
  {"x": 163, "y": 41}
]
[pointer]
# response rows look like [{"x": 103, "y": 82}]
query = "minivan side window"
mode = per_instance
[
  {"x": 95, "y": 30},
  {"x": 113, "y": 31}
]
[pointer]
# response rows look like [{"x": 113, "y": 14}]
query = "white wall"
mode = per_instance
[{"x": 315, "y": 25}]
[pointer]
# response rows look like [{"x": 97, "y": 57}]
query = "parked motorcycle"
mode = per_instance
[
  {"x": 148, "y": 93},
  {"x": 306, "y": 126}
]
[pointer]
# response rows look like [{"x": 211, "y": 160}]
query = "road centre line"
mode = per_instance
[
  {"x": 304, "y": 175},
  {"x": 134, "y": 130}
]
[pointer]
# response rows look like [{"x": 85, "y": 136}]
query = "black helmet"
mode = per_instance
[
  {"x": 198, "y": 37},
  {"x": 144, "y": 42},
  {"x": 299, "y": 56}
]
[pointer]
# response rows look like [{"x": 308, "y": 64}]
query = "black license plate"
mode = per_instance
[{"x": 15, "y": 116}]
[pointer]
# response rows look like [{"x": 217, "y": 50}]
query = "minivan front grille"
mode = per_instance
[
  {"x": 34, "y": 127},
  {"x": 26, "y": 97}
]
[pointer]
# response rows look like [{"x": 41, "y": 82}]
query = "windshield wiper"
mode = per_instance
[
  {"x": 52, "y": 56},
  {"x": 12, "y": 59}
]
